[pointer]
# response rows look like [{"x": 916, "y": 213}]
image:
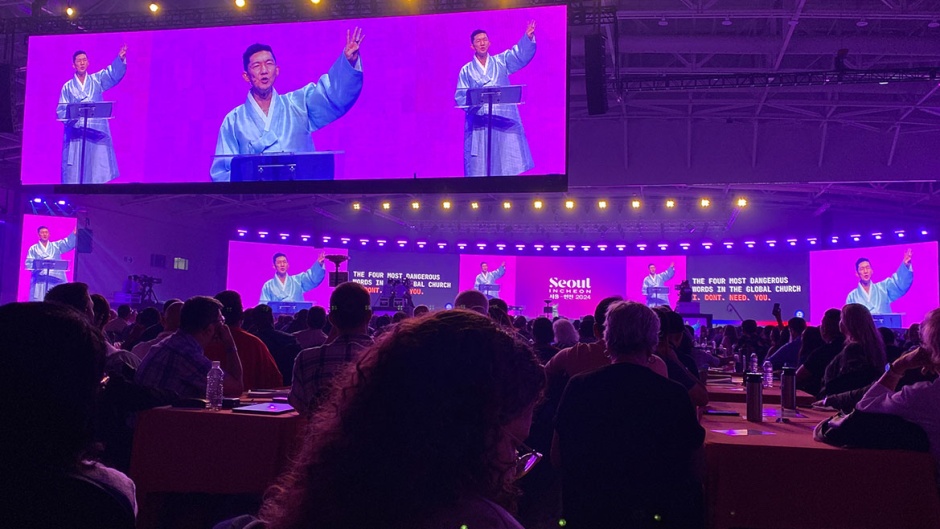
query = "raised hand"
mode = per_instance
[
  {"x": 907, "y": 257},
  {"x": 351, "y": 51},
  {"x": 530, "y": 29},
  {"x": 123, "y": 53},
  {"x": 321, "y": 257}
]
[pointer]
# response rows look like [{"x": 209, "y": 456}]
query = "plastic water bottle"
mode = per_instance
[
  {"x": 754, "y": 365},
  {"x": 768, "y": 374},
  {"x": 214, "y": 387}
]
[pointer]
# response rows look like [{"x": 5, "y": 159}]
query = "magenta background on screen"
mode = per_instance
[
  {"x": 638, "y": 269},
  {"x": 832, "y": 277},
  {"x": 180, "y": 84},
  {"x": 470, "y": 267},
  {"x": 59, "y": 228},
  {"x": 251, "y": 265}
]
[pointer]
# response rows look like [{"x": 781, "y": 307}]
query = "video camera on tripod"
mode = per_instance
[{"x": 146, "y": 281}]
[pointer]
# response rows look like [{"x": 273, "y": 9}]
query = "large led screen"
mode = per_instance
[
  {"x": 399, "y": 98},
  {"x": 47, "y": 255},
  {"x": 895, "y": 285},
  {"x": 427, "y": 279},
  {"x": 646, "y": 273}
]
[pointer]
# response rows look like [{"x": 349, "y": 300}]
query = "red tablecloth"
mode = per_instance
[
  {"x": 734, "y": 392},
  {"x": 787, "y": 480}
]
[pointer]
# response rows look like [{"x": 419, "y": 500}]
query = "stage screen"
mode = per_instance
[
  {"x": 743, "y": 287},
  {"x": 573, "y": 285},
  {"x": 60, "y": 246},
  {"x": 251, "y": 266},
  {"x": 638, "y": 270},
  {"x": 183, "y": 97},
  {"x": 433, "y": 277},
  {"x": 834, "y": 277}
]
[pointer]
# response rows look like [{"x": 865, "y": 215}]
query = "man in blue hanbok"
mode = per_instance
[
  {"x": 654, "y": 280},
  {"x": 100, "y": 163},
  {"x": 269, "y": 123},
  {"x": 40, "y": 281},
  {"x": 877, "y": 297},
  {"x": 287, "y": 288},
  {"x": 486, "y": 278},
  {"x": 510, "y": 154}
]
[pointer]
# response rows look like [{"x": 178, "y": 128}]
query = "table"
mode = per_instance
[
  {"x": 788, "y": 480},
  {"x": 187, "y": 450},
  {"x": 734, "y": 392}
]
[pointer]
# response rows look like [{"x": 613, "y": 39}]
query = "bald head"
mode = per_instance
[
  {"x": 472, "y": 300},
  {"x": 171, "y": 317}
]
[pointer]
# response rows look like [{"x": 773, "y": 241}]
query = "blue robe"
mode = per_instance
[
  {"x": 657, "y": 280},
  {"x": 39, "y": 281},
  {"x": 294, "y": 116},
  {"x": 293, "y": 288},
  {"x": 883, "y": 293},
  {"x": 511, "y": 154},
  {"x": 100, "y": 163},
  {"x": 488, "y": 278}
]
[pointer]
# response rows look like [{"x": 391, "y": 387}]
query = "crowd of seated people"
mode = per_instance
[{"x": 441, "y": 400}]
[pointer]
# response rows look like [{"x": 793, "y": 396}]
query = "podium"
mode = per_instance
[
  {"x": 282, "y": 166},
  {"x": 84, "y": 112},
  {"x": 489, "y": 96},
  {"x": 40, "y": 269},
  {"x": 891, "y": 320},
  {"x": 657, "y": 296},
  {"x": 490, "y": 290},
  {"x": 288, "y": 307}
]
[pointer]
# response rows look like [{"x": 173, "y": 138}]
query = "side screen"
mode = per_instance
[{"x": 59, "y": 246}]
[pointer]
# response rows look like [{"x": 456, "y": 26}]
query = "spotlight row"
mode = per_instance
[
  {"x": 154, "y": 7},
  {"x": 538, "y": 204}
]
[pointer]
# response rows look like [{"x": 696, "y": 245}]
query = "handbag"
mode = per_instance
[{"x": 879, "y": 431}]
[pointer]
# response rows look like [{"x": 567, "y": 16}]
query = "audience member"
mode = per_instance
[
  {"x": 626, "y": 437},
  {"x": 421, "y": 310},
  {"x": 729, "y": 338},
  {"x": 862, "y": 359},
  {"x": 809, "y": 375},
  {"x": 566, "y": 335},
  {"x": 671, "y": 332},
  {"x": 751, "y": 342},
  {"x": 177, "y": 363},
  {"x": 500, "y": 304},
  {"x": 299, "y": 321},
  {"x": 500, "y": 317},
  {"x": 543, "y": 336},
  {"x": 399, "y": 316},
  {"x": 789, "y": 353},
  {"x": 102, "y": 310},
  {"x": 892, "y": 351},
  {"x": 171, "y": 323},
  {"x": 282, "y": 346},
  {"x": 115, "y": 329},
  {"x": 313, "y": 335},
  {"x": 472, "y": 300},
  {"x": 521, "y": 324},
  {"x": 259, "y": 371},
  {"x": 810, "y": 341},
  {"x": 53, "y": 358},
  {"x": 450, "y": 433},
  {"x": 315, "y": 368},
  {"x": 586, "y": 330},
  {"x": 146, "y": 327}
]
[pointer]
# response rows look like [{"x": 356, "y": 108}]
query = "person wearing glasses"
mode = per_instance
[
  {"x": 178, "y": 363},
  {"x": 422, "y": 431},
  {"x": 511, "y": 154},
  {"x": 877, "y": 297},
  {"x": 269, "y": 122}
]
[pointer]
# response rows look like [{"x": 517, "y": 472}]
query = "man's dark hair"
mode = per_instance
[
  {"x": 399, "y": 316},
  {"x": 279, "y": 254},
  {"x": 749, "y": 326},
  {"x": 500, "y": 304},
  {"x": 123, "y": 311},
  {"x": 102, "y": 310},
  {"x": 670, "y": 322},
  {"x": 350, "y": 306},
  {"x": 253, "y": 49},
  {"x": 39, "y": 229},
  {"x": 887, "y": 335},
  {"x": 542, "y": 331},
  {"x": 262, "y": 317},
  {"x": 232, "y": 309},
  {"x": 475, "y": 33},
  {"x": 148, "y": 317},
  {"x": 76, "y": 54},
  {"x": 74, "y": 295},
  {"x": 600, "y": 313},
  {"x": 860, "y": 261},
  {"x": 198, "y": 313},
  {"x": 316, "y": 318},
  {"x": 421, "y": 309},
  {"x": 167, "y": 303},
  {"x": 651, "y": 264},
  {"x": 796, "y": 325},
  {"x": 829, "y": 326}
]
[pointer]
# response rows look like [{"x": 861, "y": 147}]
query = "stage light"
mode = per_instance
[
  {"x": 500, "y": 246},
  {"x": 461, "y": 245},
  {"x": 37, "y": 201},
  {"x": 621, "y": 247},
  {"x": 262, "y": 234},
  {"x": 357, "y": 206},
  {"x": 507, "y": 204},
  {"x": 741, "y": 202},
  {"x": 386, "y": 206},
  {"x": 363, "y": 241},
  {"x": 555, "y": 247},
  {"x": 877, "y": 235},
  {"x": 474, "y": 205},
  {"x": 415, "y": 205},
  {"x": 446, "y": 204},
  {"x": 520, "y": 247},
  {"x": 538, "y": 247},
  {"x": 569, "y": 204},
  {"x": 60, "y": 202},
  {"x": 791, "y": 242},
  {"x": 154, "y": 7},
  {"x": 641, "y": 246},
  {"x": 481, "y": 245},
  {"x": 635, "y": 203},
  {"x": 684, "y": 245},
  {"x": 381, "y": 242},
  {"x": 856, "y": 237},
  {"x": 729, "y": 245},
  {"x": 284, "y": 236},
  {"x": 240, "y": 3},
  {"x": 705, "y": 202},
  {"x": 344, "y": 240},
  {"x": 537, "y": 204},
  {"x": 861, "y": 22},
  {"x": 70, "y": 11},
  {"x": 726, "y": 22},
  {"x": 315, "y": 2},
  {"x": 933, "y": 24},
  {"x": 812, "y": 241},
  {"x": 602, "y": 247},
  {"x": 570, "y": 247},
  {"x": 707, "y": 245},
  {"x": 304, "y": 238},
  {"x": 586, "y": 247},
  {"x": 923, "y": 232},
  {"x": 749, "y": 244},
  {"x": 663, "y": 22},
  {"x": 242, "y": 233},
  {"x": 326, "y": 239},
  {"x": 422, "y": 244},
  {"x": 442, "y": 245},
  {"x": 835, "y": 239},
  {"x": 601, "y": 204},
  {"x": 402, "y": 243},
  {"x": 670, "y": 203},
  {"x": 771, "y": 243},
  {"x": 663, "y": 246}
]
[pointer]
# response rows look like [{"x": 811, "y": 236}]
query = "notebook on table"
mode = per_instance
[{"x": 266, "y": 408}]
